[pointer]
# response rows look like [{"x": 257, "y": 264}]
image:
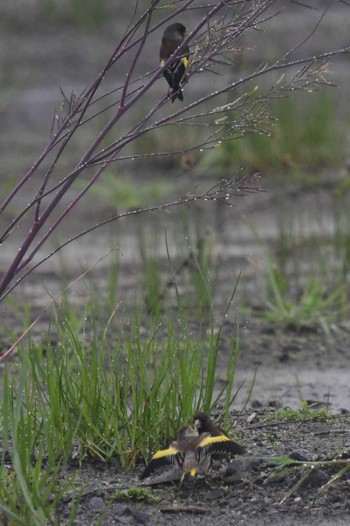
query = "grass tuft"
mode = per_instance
[
  {"x": 302, "y": 138},
  {"x": 297, "y": 303},
  {"x": 91, "y": 392}
]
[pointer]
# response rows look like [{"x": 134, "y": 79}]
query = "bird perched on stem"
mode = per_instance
[
  {"x": 172, "y": 38},
  {"x": 190, "y": 453}
]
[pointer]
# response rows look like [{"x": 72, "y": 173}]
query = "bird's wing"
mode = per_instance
[
  {"x": 169, "y": 452},
  {"x": 181, "y": 63},
  {"x": 218, "y": 445},
  {"x": 185, "y": 62},
  {"x": 209, "y": 440},
  {"x": 164, "y": 457}
]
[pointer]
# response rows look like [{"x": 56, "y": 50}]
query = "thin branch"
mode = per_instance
[
  {"x": 9, "y": 351},
  {"x": 218, "y": 192},
  {"x": 214, "y": 37}
]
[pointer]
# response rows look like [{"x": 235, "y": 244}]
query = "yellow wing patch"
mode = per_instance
[
  {"x": 213, "y": 440},
  {"x": 162, "y": 62},
  {"x": 165, "y": 453},
  {"x": 185, "y": 61},
  {"x": 192, "y": 473}
]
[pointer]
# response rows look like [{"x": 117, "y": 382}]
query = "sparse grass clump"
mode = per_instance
[
  {"x": 100, "y": 392},
  {"x": 336, "y": 468},
  {"x": 137, "y": 494},
  {"x": 297, "y": 298},
  {"x": 306, "y": 412},
  {"x": 301, "y": 138},
  {"x": 315, "y": 307}
]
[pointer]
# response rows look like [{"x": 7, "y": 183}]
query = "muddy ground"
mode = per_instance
[
  {"x": 290, "y": 365},
  {"x": 250, "y": 492}
]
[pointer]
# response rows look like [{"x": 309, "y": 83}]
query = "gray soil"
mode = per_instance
[
  {"x": 246, "y": 492},
  {"x": 290, "y": 365}
]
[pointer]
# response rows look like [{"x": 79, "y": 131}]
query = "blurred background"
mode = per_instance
[{"x": 291, "y": 243}]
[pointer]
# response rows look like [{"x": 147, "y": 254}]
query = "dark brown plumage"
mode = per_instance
[{"x": 172, "y": 38}]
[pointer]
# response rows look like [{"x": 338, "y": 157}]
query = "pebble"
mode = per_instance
[
  {"x": 299, "y": 454},
  {"x": 120, "y": 509},
  {"x": 234, "y": 470},
  {"x": 233, "y": 502},
  {"x": 216, "y": 494},
  {"x": 315, "y": 478},
  {"x": 96, "y": 503},
  {"x": 141, "y": 517}
]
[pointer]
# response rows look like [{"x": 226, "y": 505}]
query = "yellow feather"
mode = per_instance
[
  {"x": 162, "y": 62},
  {"x": 164, "y": 453},
  {"x": 185, "y": 61},
  {"x": 212, "y": 440}
]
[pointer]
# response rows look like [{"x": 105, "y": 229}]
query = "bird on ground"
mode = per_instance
[
  {"x": 204, "y": 424},
  {"x": 190, "y": 453},
  {"x": 172, "y": 38}
]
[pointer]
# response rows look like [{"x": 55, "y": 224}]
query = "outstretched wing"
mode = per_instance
[
  {"x": 162, "y": 458},
  {"x": 218, "y": 445}
]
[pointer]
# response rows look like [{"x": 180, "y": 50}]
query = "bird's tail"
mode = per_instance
[
  {"x": 177, "y": 94},
  {"x": 188, "y": 475}
]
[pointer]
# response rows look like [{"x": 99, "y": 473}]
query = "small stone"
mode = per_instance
[
  {"x": 299, "y": 455},
  {"x": 120, "y": 509},
  {"x": 315, "y": 478},
  {"x": 233, "y": 502},
  {"x": 297, "y": 499},
  {"x": 96, "y": 503},
  {"x": 276, "y": 404},
  {"x": 91, "y": 488},
  {"x": 333, "y": 498},
  {"x": 124, "y": 519},
  {"x": 235, "y": 470},
  {"x": 251, "y": 417},
  {"x": 141, "y": 517},
  {"x": 216, "y": 494}
]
